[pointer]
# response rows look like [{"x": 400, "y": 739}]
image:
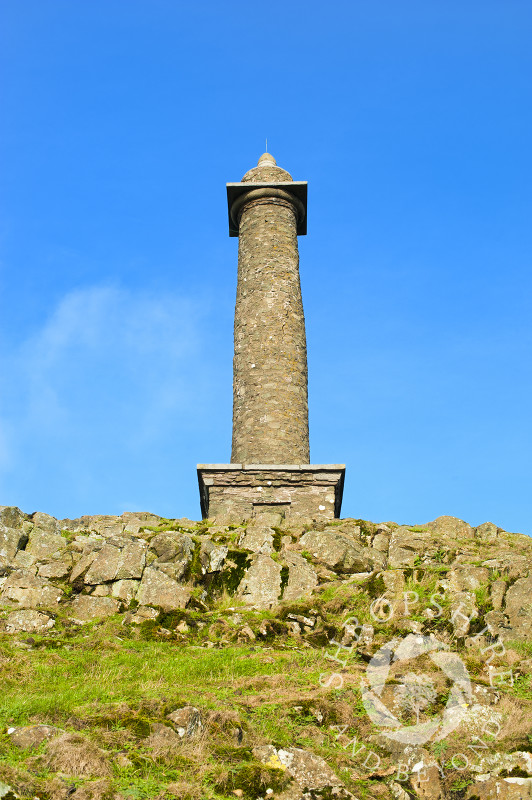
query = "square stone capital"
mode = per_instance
[{"x": 298, "y": 190}]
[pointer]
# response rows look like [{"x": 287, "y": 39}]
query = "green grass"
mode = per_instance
[
  {"x": 522, "y": 687},
  {"x": 118, "y": 687},
  {"x": 522, "y": 647},
  {"x": 55, "y": 682},
  {"x": 113, "y": 681}
]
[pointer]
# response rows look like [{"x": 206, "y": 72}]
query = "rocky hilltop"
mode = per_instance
[{"x": 264, "y": 658}]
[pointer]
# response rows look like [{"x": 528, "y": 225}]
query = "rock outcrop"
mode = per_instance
[
  {"x": 94, "y": 567},
  {"x": 339, "y": 605}
]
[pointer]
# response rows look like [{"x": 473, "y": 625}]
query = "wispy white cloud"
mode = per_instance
[{"x": 110, "y": 367}]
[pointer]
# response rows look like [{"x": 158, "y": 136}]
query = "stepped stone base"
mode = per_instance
[{"x": 244, "y": 490}]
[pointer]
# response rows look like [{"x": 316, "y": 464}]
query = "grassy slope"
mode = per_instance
[{"x": 112, "y": 682}]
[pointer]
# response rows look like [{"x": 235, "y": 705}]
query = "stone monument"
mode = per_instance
[{"x": 269, "y": 469}]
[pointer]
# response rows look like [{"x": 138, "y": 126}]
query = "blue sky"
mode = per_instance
[{"x": 122, "y": 122}]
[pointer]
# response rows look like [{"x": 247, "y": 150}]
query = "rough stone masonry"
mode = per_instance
[
  {"x": 270, "y": 402},
  {"x": 269, "y": 467}
]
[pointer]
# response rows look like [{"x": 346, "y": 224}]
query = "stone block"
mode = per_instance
[
  {"x": 261, "y": 584},
  {"x": 12, "y": 517},
  {"x": 158, "y": 589},
  {"x": 46, "y": 523},
  {"x": 44, "y": 545},
  {"x": 30, "y": 591},
  {"x": 187, "y": 722},
  {"x": 518, "y": 607},
  {"x": 309, "y": 491},
  {"x": 117, "y": 563},
  {"x": 29, "y": 621},
  {"x": 56, "y": 570},
  {"x": 336, "y": 551},
  {"x": 257, "y": 539},
  {"x": 11, "y": 539},
  {"x": 85, "y": 608},
  {"x": 125, "y": 590},
  {"x": 302, "y": 577}
]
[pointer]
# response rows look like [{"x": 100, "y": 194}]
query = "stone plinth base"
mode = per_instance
[{"x": 244, "y": 490}]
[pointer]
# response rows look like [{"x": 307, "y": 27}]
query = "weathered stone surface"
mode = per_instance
[
  {"x": 463, "y": 610},
  {"x": 302, "y": 577},
  {"x": 103, "y": 525},
  {"x": 25, "y": 561},
  {"x": 351, "y": 529},
  {"x": 32, "y": 735},
  {"x": 125, "y": 590},
  {"x": 143, "y": 614},
  {"x": 310, "y": 771},
  {"x": 487, "y": 532},
  {"x": 46, "y": 523},
  {"x": 381, "y": 542},
  {"x": 268, "y": 519},
  {"x": 406, "y": 545},
  {"x": 89, "y": 554},
  {"x": 468, "y": 578},
  {"x": 102, "y": 590},
  {"x": 107, "y": 526},
  {"x": 261, "y": 584},
  {"x": 56, "y": 569},
  {"x": 30, "y": 591},
  {"x": 452, "y": 527},
  {"x": 158, "y": 589},
  {"x": 518, "y": 606},
  {"x": 498, "y": 625},
  {"x": 495, "y": 763},
  {"x": 135, "y": 521},
  {"x": 174, "y": 554},
  {"x": 29, "y": 621},
  {"x": 336, "y": 551},
  {"x": 7, "y": 792},
  {"x": 512, "y": 565},
  {"x": 115, "y": 562},
  {"x": 257, "y": 539},
  {"x": 394, "y": 581},
  {"x": 234, "y": 492},
  {"x": 86, "y": 608},
  {"x": 172, "y": 546},
  {"x": 398, "y": 792},
  {"x": 426, "y": 783},
  {"x": 165, "y": 547},
  {"x": 176, "y": 570},
  {"x": 497, "y": 592},
  {"x": 11, "y": 539},
  {"x": 44, "y": 545},
  {"x": 187, "y": 722},
  {"x": 501, "y": 789},
  {"x": 12, "y": 517},
  {"x": 270, "y": 404},
  {"x": 246, "y": 634},
  {"x": 212, "y": 556}
]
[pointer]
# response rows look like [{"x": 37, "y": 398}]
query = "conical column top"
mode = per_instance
[
  {"x": 266, "y": 171},
  {"x": 266, "y": 158}
]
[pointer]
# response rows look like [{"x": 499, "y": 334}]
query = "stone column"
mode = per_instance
[
  {"x": 269, "y": 469},
  {"x": 270, "y": 397}
]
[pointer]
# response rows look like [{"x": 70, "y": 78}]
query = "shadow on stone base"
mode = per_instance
[{"x": 242, "y": 491}]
